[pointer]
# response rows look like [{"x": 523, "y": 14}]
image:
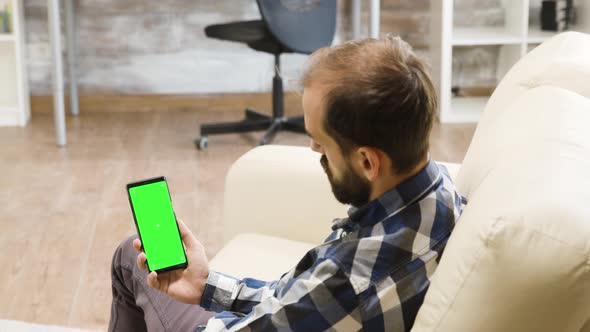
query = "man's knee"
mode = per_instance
[
  {"x": 122, "y": 268},
  {"x": 125, "y": 255}
]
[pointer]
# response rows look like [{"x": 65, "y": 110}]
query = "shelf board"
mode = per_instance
[
  {"x": 465, "y": 110},
  {"x": 484, "y": 36},
  {"x": 6, "y": 37},
  {"x": 537, "y": 36}
]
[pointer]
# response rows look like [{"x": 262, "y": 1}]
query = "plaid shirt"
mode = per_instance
[{"x": 371, "y": 273}]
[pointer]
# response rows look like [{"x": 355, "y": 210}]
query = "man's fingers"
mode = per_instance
[
  {"x": 187, "y": 237},
  {"x": 137, "y": 244},
  {"x": 141, "y": 262},
  {"x": 153, "y": 281}
]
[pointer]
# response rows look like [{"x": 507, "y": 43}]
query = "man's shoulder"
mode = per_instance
[
  {"x": 378, "y": 263},
  {"x": 448, "y": 174}
]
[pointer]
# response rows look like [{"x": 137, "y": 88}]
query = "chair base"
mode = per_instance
[{"x": 254, "y": 121}]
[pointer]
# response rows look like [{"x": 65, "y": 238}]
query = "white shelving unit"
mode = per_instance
[
  {"x": 518, "y": 35},
  {"x": 484, "y": 36},
  {"x": 14, "y": 88},
  {"x": 6, "y": 37}
]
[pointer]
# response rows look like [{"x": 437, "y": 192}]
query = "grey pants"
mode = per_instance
[{"x": 138, "y": 307}]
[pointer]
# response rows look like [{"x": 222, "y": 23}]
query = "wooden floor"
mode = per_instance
[{"x": 64, "y": 210}]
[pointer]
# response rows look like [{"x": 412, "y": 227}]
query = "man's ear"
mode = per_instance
[{"x": 369, "y": 161}]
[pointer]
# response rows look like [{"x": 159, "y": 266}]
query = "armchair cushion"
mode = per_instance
[{"x": 259, "y": 256}]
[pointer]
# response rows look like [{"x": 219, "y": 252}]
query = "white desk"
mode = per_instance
[{"x": 56, "y": 46}]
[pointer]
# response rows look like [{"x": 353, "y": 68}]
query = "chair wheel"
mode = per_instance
[{"x": 202, "y": 143}]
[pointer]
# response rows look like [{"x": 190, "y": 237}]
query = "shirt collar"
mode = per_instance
[{"x": 393, "y": 201}]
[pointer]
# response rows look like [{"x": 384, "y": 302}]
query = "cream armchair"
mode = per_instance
[{"x": 519, "y": 259}]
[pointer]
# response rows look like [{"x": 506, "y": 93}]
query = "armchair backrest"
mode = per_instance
[{"x": 519, "y": 258}]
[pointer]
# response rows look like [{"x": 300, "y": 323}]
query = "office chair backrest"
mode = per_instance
[{"x": 302, "y": 26}]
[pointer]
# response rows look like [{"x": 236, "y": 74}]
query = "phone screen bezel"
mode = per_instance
[{"x": 142, "y": 183}]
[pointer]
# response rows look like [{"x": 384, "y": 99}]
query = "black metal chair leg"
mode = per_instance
[
  {"x": 255, "y": 121},
  {"x": 295, "y": 124},
  {"x": 253, "y": 115},
  {"x": 235, "y": 127},
  {"x": 244, "y": 126},
  {"x": 271, "y": 132}
]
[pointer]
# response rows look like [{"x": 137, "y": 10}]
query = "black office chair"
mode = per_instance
[{"x": 287, "y": 26}]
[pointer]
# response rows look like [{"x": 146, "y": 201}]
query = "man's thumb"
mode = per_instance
[{"x": 187, "y": 237}]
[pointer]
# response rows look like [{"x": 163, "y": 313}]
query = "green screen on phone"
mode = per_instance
[{"x": 156, "y": 224}]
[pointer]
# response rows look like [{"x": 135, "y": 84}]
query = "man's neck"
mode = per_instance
[{"x": 391, "y": 181}]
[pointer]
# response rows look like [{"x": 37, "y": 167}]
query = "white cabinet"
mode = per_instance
[
  {"x": 519, "y": 33},
  {"x": 14, "y": 89}
]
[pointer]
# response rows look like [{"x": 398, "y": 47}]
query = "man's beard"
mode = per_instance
[{"x": 351, "y": 189}]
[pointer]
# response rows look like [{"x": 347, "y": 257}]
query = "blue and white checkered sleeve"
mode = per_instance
[
  {"x": 316, "y": 299},
  {"x": 226, "y": 293}
]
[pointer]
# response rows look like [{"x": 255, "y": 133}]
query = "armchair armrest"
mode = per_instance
[{"x": 280, "y": 191}]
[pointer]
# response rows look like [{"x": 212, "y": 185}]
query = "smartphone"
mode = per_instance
[{"x": 156, "y": 224}]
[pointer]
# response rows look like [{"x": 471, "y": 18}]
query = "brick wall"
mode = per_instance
[{"x": 155, "y": 46}]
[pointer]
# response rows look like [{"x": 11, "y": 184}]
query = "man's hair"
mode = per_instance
[{"x": 378, "y": 94}]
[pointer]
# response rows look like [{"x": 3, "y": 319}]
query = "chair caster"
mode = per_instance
[{"x": 202, "y": 143}]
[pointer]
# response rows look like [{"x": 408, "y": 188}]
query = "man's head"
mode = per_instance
[{"x": 369, "y": 107}]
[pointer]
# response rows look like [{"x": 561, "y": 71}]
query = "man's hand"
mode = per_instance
[{"x": 182, "y": 285}]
